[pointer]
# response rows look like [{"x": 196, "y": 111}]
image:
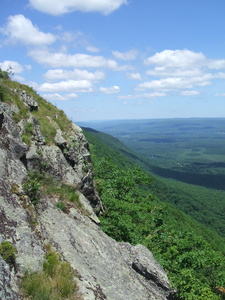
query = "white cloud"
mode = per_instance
[
  {"x": 21, "y": 29},
  {"x": 220, "y": 75},
  {"x": 181, "y": 70},
  {"x": 175, "y": 72},
  {"x": 216, "y": 64},
  {"x": 76, "y": 74},
  {"x": 14, "y": 65},
  {"x": 175, "y": 83},
  {"x": 58, "y": 97},
  {"x": 153, "y": 95},
  {"x": 79, "y": 60},
  {"x": 134, "y": 76},
  {"x": 69, "y": 37},
  {"x": 92, "y": 49},
  {"x": 110, "y": 90},
  {"x": 67, "y": 86},
  {"x": 176, "y": 58},
  {"x": 189, "y": 93},
  {"x": 59, "y": 7},
  {"x": 129, "y": 55}
]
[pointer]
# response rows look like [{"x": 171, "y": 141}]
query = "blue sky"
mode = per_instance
[{"x": 119, "y": 59}]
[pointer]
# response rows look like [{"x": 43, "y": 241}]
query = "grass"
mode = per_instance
[
  {"x": 53, "y": 187},
  {"x": 50, "y": 117},
  {"x": 61, "y": 205},
  {"x": 54, "y": 282},
  {"x": 38, "y": 184},
  {"x": 26, "y": 137}
]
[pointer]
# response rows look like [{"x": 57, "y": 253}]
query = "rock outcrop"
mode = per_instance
[{"x": 105, "y": 268}]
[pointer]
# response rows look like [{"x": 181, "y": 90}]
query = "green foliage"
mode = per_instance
[
  {"x": 26, "y": 137},
  {"x": 54, "y": 187},
  {"x": 61, "y": 205},
  {"x": 203, "y": 204},
  {"x": 6, "y": 74},
  {"x": 186, "y": 155},
  {"x": 193, "y": 266},
  {"x": 8, "y": 251},
  {"x": 32, "y": 188},
  {"x": 38, "y": 184},
  {"x": 135, "y": 216},
  {"x": 49, "y": 117},
  {"x": 2, "y": 92},
  {"x": 55, "y": 282},
  {"x": 190, "y": 254}
]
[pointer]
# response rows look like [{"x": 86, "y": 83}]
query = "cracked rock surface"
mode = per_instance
[{"x": 105, "y": 268}]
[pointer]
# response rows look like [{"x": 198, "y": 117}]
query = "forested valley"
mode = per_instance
[{"x": 171, "y": 218}]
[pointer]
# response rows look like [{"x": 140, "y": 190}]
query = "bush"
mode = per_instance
[
  {"x": 55, "y": 282},
  {"x": 8, "y": 251},
  {"x": 6, "y": 74},
  {"x": 32, "y": 188}
]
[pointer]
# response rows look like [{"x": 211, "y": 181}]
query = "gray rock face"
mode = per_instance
[
  {"x": 28, "y": 100},
  {"x": 105, "y": 268},
  {"x": 6, "y": 291}
]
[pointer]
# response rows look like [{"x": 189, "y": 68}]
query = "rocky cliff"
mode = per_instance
[{"x": 36, "y": 142}]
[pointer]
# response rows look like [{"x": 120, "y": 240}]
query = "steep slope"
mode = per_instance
[
  {"x": 48, "y": 201},
  {"x": 113, "y": 149},
  {"x": 192, "y": 254},
  {"x": 186, "y": 158}
]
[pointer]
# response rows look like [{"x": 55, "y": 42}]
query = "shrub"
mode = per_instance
[
  {"x": 32, "y": 188},
  {"x": 54, "y": 282},
  {"x": 8, "y": 251},
  {"x": 6, "y": 74}
]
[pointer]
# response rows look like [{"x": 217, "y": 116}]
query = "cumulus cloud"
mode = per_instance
[
  {"x": 110, "y": 90},
  {"x": 59, "y": 97},
  {"x": 21, "y": 29},
  {"x": 76, "y": 74},
  {"x": 173, "y": 70},
  {"x": 66, "y": 86},
  {"x": 153, "y": 95},
  {"x": 59, "y": 7},
  {"x": 134, "y": 76},
  {"x": 181, "y": 63},
  {"x": 129, "y": 55},
  {"x": 174, "y": 83},
  {"x": 79, "y": 60},
  {"x": 92, "y": 49},
  {"x": 176, "y": 58},
  {"x": 189, "y": 93},
  {"x": 219, "y": 75},
  {"x": 14, "y": 65},
  {"x": 216, "y": 64}
]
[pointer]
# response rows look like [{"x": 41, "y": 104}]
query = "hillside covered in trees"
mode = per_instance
[{"x": 192, "y": 254}]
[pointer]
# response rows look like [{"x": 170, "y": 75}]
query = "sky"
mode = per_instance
[{"x": 119, "y": 59}]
